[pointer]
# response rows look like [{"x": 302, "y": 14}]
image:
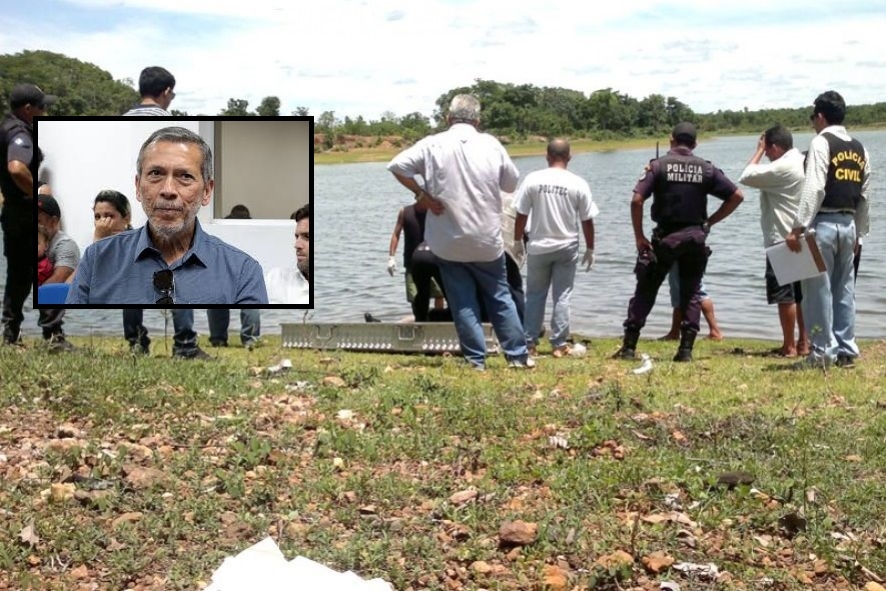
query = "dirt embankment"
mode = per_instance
[{"x": 347, "y": 143}]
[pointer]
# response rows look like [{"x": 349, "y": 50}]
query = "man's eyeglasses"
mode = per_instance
[{"x": 165, "y": 284}]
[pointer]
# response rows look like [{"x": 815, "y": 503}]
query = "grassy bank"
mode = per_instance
[{"x": 127, "y": 472}]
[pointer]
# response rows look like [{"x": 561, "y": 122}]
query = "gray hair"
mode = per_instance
[
  {"x": 179, "y": 135},
  {"x": 465, "y": 108}
]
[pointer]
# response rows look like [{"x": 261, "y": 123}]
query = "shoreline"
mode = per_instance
[
  {"x": 112, "y": 338},
  {"x": 516, "y": 149},
  {"x": 528, "y": 148}
]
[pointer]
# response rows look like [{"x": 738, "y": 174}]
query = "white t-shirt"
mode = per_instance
[
  {"x": 556, "y": 201},
  {"x": 287, "y": 286}
]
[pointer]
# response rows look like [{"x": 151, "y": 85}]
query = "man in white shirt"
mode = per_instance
[
  {"x": 558, "y": 201},
  {"x": 293, "y": 286},
  {"x": 780, "y": 182},
  {"x": 464, "y": 173}
]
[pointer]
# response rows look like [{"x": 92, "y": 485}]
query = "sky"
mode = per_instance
[{"x": 367, "y": 58}]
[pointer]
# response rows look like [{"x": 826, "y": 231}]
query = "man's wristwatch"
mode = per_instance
[{"x": 419, "y": 195}]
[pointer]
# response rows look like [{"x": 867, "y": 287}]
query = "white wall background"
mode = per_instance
[
  {"x": 265, "y": 165},
  {"x": 83, "y": 157}
]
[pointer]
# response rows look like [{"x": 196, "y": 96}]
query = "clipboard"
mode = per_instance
[{"x": 790, "y": 266}]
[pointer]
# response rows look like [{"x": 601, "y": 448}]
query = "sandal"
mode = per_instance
[{"x": 562, "y": 351}]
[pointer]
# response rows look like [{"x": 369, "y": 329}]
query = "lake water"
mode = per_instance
[{"x": 355, "y": 207}]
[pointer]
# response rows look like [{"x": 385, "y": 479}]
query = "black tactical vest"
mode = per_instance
[
  {"x": 842, "y": 188},
  {"x": 12, "y": 194},
  {"x": 680, "y": 191}
]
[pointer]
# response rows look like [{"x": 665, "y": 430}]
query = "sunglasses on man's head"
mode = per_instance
[{"x": 164, "y": 283}]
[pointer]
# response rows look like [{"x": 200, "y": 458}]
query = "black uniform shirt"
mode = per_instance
[{"x": 718, "y": 185}]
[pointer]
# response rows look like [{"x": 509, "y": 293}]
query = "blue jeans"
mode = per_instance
[
  {"x": 465, "y": 284},
  {"x": 829, "y": 298},
  {"x": 220, "y": 319},
  {"x": 184, "y": 339},
  {"x": 554, "y": 270}
]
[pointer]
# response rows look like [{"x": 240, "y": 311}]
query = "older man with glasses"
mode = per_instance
[{"x": 171, "y": 260}]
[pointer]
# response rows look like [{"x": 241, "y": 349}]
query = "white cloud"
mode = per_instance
[{"x": 363, "y": 58}]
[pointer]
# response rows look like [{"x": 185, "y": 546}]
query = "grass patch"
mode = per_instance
[{"x": 175, "y": 464}]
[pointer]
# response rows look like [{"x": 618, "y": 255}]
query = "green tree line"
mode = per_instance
[
  {"x": 515, "y": 111},
  {"x": 526, "y": 110}
]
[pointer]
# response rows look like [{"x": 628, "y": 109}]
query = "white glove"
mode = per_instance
[
  {"x": 588, "y": 259},
  {"x": 392, "y": 266},
  {"x": 518, "y": 250}
]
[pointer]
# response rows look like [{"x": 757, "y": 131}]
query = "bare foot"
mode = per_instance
[
  {"x": 715, "y": 336},
  {"x": 671, "y": 336},
  {"x": 803, "y": 348},
  {"x": 784, "y": 351}
]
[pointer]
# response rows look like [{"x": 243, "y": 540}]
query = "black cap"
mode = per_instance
[
  {"x": 684, "y": 132},
  {"x": 24, "y": 94},
  {"x": 49, "y": 205}
]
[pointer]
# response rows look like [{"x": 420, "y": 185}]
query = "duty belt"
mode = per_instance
[{"x": 664, "y": 230}]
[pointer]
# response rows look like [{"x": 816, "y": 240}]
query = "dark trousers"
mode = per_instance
[
  {"x": 219, "y": 320},
  {"x": 51, "y": 321},
  {"x": 424, "y": 268},
  {"x": 686, "y": 247},
  {"x": 18, "y": 240},
  {"x": 18, "y": 247},
  {"x": 515, "y": 284},
  {"x": 515, "y": 287},
  {"x": 855, "y": 262},
  {"x": 184, "y": 339}
]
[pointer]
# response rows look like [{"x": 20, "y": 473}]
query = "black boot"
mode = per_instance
[
  {"x": 687, "y": 340},
  {"x": 629, "y": 345}
]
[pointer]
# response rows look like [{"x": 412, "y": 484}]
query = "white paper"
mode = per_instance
[
  {"x": 263, "y": 566},
  {"x": 790, "y": 266}
]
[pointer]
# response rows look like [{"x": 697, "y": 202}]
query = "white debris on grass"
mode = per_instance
[
  {"x": 704, "y": 571},
  {"x": 263, "y": 566},
  {"x": 645, "y": 367}
]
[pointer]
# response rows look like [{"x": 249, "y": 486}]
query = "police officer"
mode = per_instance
[
  {"x": 679, "y": 183},
  {"x": 18, "y": 168},
  {"x": 835, "y": 203}
]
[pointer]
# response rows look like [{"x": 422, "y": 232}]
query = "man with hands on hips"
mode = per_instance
[
  {"x": 464, "y": 172},
  {"x": 679, "y": 183}
]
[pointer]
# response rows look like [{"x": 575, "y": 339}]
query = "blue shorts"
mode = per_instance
[{"x": 674, "y": 284}]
